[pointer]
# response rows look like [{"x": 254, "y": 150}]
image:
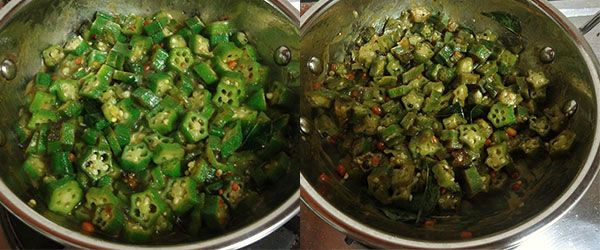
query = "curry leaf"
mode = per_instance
[
  {"x": 511, "y": 22},
  {"x": 455, "y": 108},
  {"x": 477, "y": 111}
]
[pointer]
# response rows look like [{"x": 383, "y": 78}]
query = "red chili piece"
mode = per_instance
[
  {"x": 341, "y": 170},
  {"x": 323, "y": 177},
  {"x": 376, "y": 110}
]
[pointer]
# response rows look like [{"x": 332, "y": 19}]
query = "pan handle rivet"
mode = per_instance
[
  {"x": 304, "y": 126},
  {"x": 315, "y": 65},
  {"x": 570, "y": 107},
  {"x": 282, "y": 56},
  {"x": 8, "y": 69},
  {"x": 547, "y": 55}
]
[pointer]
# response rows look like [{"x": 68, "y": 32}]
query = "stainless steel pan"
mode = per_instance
[
  {"x": 27, "y": 27},
  {"x": 330, "y": 26}
]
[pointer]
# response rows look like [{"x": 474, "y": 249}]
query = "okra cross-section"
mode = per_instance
[
  {"x": 180, "y": 59},
  {"x": 93, "y": 87},
  {"x": 146, "y": 207},
  {"x": 163, "y": 121},
  {"x": 194, "y": 127},
  {"x": 95, "y": 162},
  {"x": 136, "y": 157},
  {"x": 181, "y": 195},
  {"x": 167, "y": 151},
  {"x": 215, "y": 213},
  {"x": 109, "y": 219},
  {"x": 63, "y": 195},
  {"x": 501, "y": 115}
]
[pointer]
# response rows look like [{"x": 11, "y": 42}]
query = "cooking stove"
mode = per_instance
[{"x": 578, "y": 229}]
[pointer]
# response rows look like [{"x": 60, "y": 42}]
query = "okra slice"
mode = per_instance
[
  {"x": 232, "y": 140},
  {"x": 537, "y": 80},
  {"x": 157, "y": 178},
  {"x": 155, "y": 139},
  {"x": 226, "y": 95},
  {"x": 42, "y": 101},
  {"x": 199, "y": 99},
  {"x": 282, "y": 95},
  {"x": 233, "y": 193},
  {"x": 195, "y": 24},
  {"x": 227, "y": 52},
  {"x": 146, "y": 207},
  {"x": 135, "y": 158},
  {"x": 444, "y": 175},
  {"x": 65, "y": 90},
  {"x": 215, "y": 213},
  {"x": 423, "y": 144},
  {"x": 480, "y": 52},
  {"x": 76, "y": 46},
  {"x": 60, "y": 165},
  {"x": 146, "y": 97},
  {"x": 474, "y": 182},
  {"x": 93, "y": 87},
  {"x": 35, "y": 167},
  {"x": 562, "y": 142},
  {"x": 63, "y": 195},
  {"x": 167, "y": 151},
  {"x": 251, "y": 71},
  {"x": 70, "y": 109},
  {"x": 497, "y": 157},
  {"x": 531, "y": 146},
  {"x": 277, "y": 167},
  {"x": 123, "y": 134},
  {"x": 163, "y": 121},
  {"x": 185, "y": 85},
  {"x": 42, "y": 117},
  {"x": 136, "y": 233},
  {"x": 206, "y": 73},
  {"x": 200, "y": 46},
  {"x": 257, "y": 100},
  {"x": 501, "y": 115},
  {"x": 158, "y": 61},
  {"x": 109, "y": 219},
  {"x": 122, "y": 113},
  {"x": 195, "y": 222},
  {"x": 219, "y": 66},
  {"x": 200, "y": 171},
  {"x": 471, "y": 136},
  {"x": 160, "y": 83},
  {"x": 194, "y": 127},
  {"x": 53, "y": 55},
  {"x": 413, "y": 101},
  {"x": 97, "y": 197},
  {"x": 181, "y": 195},
  {"x": 95, "y": 162},
  {"x": 96, "y": 59},
  {"x": 171, "y": 168},
  {"x": 132, "y": 25},
  {"x": 180, "y": 59},
  {"x": 540, "y": 125}
]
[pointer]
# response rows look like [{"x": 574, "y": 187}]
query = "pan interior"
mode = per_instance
[
  {"x": 35, "y": 25},
  {"x": 327, "y": 35}
]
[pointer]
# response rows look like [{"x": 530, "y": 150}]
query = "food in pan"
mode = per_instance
[
  {"x": 426, "y": 113},
  {"x": 144, "y": 126}
]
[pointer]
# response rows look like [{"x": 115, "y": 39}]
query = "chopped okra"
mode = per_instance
[
  {"x": 422, "y": 105},
  {"x": 143, "y": 127}
]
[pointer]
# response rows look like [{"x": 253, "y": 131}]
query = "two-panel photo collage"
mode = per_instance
[{"x": 288, "y": 124}]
